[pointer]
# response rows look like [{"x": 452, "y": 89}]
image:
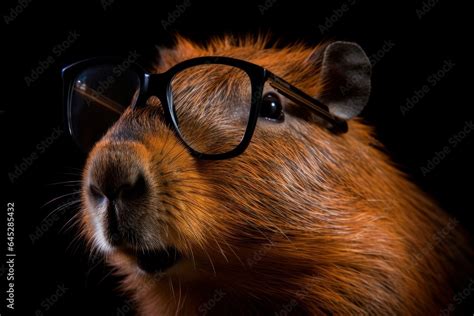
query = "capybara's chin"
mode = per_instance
[{"x": 304, "y": 221}]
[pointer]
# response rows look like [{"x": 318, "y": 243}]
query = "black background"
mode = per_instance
[{"x": 30, "y": 112}]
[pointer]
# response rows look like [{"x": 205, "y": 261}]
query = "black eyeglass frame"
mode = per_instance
[{"x": 159, "y": 85}]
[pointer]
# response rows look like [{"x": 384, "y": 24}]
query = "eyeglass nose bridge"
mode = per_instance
[
  {"x": 157, "y": 85},
  {"x": 153, "y": 85}
]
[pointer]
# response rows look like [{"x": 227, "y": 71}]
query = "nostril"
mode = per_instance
[
  {"x": 133, "y": 191},
  {"x": 118, "y": 189}
]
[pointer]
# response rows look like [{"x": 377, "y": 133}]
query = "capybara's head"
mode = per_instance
[{"x": 305, "y": 220}]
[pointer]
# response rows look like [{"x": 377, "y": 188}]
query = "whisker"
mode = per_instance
[
  {"x": 76, "y": 240},
  {"x": 233, "y": 251},
  {"x": 71, "y": 223},
  {"x": 106, "y": 276},
  {"x": 220, "y": 249},
  {"x": 79, "y": 174},
  {"x": 210, "y": 260},
  {"x": 61, "y": 208},
  {"x": 171, "y": 287},
  {"x": 60, "y": 197},
  {"x": 76, "y": 182},
  {"x": 179, "y": 298}
]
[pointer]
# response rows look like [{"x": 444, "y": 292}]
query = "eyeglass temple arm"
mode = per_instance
[{"x": 296, "y": 95}]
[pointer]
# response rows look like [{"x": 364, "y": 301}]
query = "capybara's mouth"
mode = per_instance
[{"x": 157, "y": 260}]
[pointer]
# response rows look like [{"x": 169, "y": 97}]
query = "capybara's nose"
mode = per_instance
[
  {"x": 123, "y": 189},
  {"x": 116, "y": 183}
]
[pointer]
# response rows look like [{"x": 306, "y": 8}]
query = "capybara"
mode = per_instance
[{"x": 304, "y": 221}]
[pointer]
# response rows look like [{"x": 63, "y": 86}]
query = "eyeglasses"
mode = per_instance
[{"x": 211, "y": 103}]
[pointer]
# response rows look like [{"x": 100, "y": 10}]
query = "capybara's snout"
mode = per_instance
[{"x": 117, "y": 187}]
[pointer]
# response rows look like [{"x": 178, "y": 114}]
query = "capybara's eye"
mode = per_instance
[{"x": 272, "y": 108}]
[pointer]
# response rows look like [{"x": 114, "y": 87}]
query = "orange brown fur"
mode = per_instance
[{"x": 304, "y": 219}]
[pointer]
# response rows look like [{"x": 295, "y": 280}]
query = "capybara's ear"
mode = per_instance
[{"x": 345, "y": 74}]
